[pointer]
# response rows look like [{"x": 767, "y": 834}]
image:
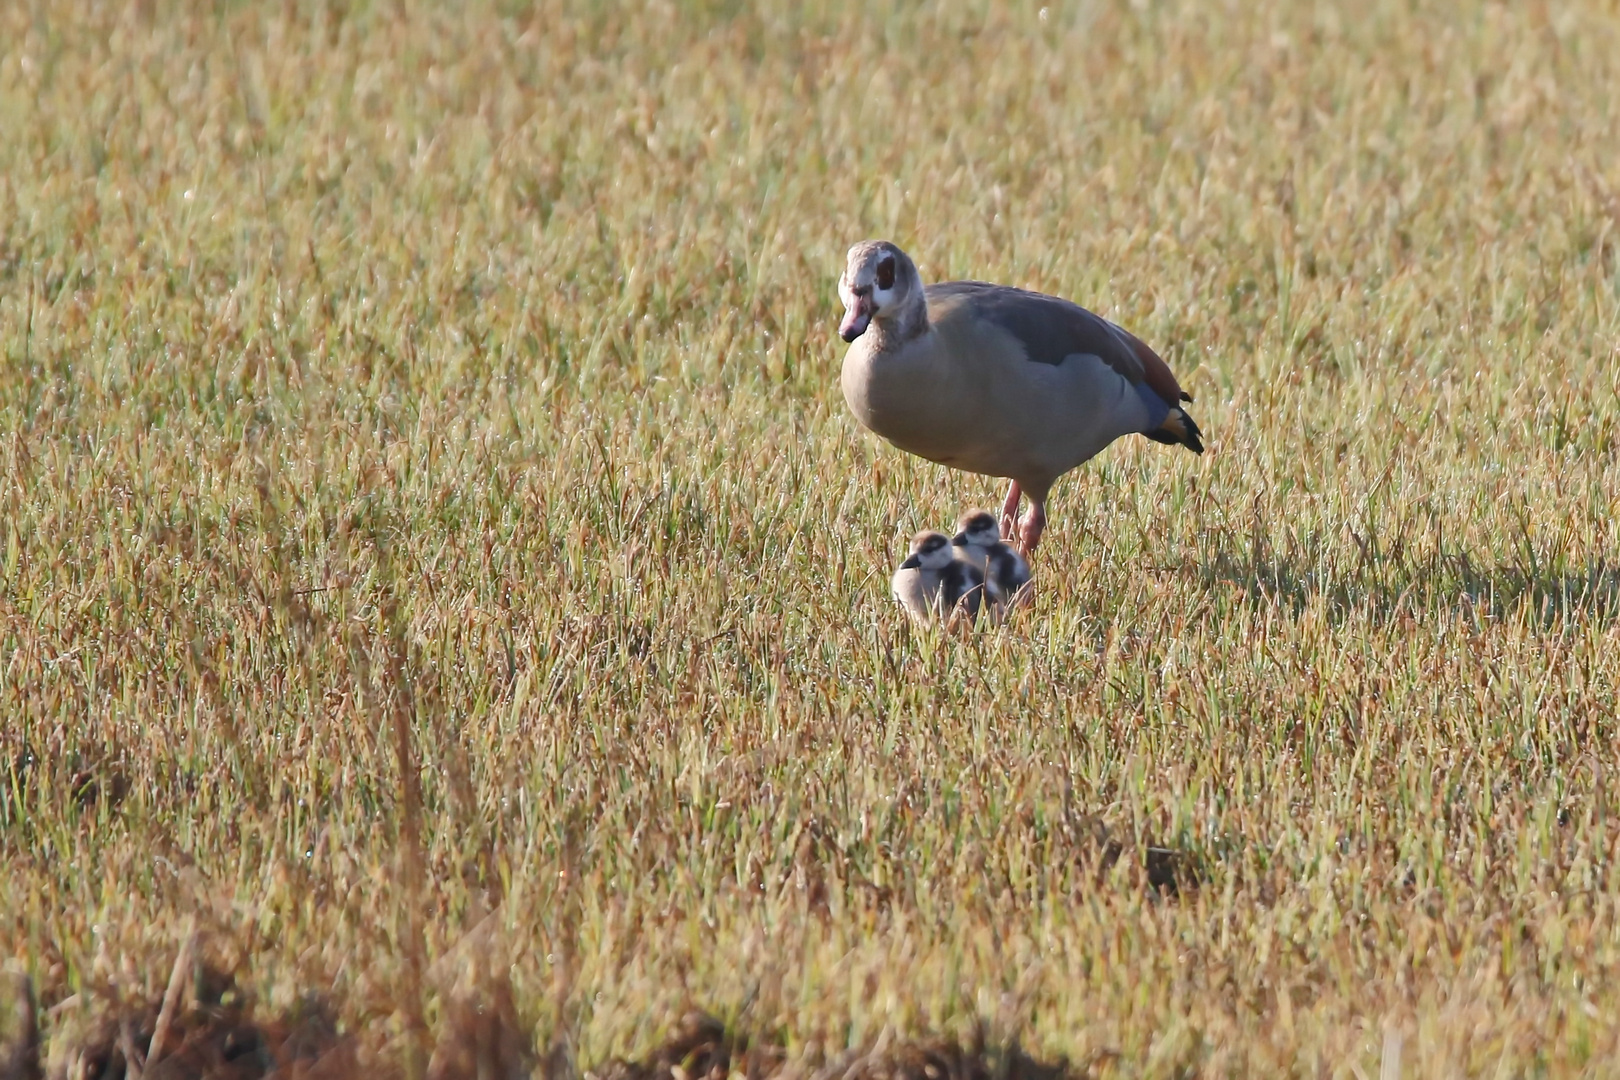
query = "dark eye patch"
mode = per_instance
[{"x": 885, "y": 273}]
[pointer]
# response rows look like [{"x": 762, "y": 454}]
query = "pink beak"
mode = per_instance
[{"x": 856, "y": 319}]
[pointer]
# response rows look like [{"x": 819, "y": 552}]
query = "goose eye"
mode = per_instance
[{"x": 885, "y": 273}]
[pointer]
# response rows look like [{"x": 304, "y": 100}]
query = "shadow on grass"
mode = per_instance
[
  {"x": 218, "y": 1033},
  {"x": 1392, "y": 585},
  {"x": 701, "y": 1048}
]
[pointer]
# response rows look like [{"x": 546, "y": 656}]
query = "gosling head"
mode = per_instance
[
  {"x": 977, "y": 529},
  {"x": 930, "y": 550}
]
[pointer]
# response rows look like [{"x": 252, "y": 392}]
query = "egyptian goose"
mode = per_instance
[
  {"x": 978, "y": 541},
  {"x": 996, "y": 380},
  {"x": 933, "y": 583}
]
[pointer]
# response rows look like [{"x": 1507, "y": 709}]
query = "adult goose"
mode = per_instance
[{"x": 997, "y": 380}]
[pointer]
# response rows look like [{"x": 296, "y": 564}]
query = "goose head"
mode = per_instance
[
  {"x": 929, "y": 551},
  {"x": 879, "y": 282},
  {"x": 977, "y": 529}
]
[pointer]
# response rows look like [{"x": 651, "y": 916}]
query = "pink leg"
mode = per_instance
[
  {"x": 1009, "y": 511},
  {"x": 1029, "y": 533}
]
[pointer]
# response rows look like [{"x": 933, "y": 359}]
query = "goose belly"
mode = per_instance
[
  {"x": 909, "y": 405},
  {"x": 1028, "y": 421},
  {"x": 1041, "y": 420}
]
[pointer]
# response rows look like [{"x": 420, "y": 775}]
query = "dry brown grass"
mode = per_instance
[{"x": 396, "y": 385}]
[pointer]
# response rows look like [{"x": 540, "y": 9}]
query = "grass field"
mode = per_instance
[{"x": 436, "y": 552}]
